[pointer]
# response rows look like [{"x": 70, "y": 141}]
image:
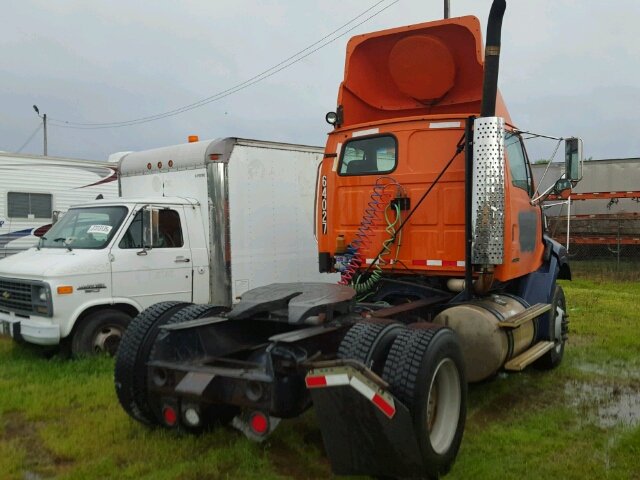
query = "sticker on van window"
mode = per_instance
[{"x": 105, "y": 229}]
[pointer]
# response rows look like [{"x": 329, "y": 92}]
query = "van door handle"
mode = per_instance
[{"x": 182, "y": 260}]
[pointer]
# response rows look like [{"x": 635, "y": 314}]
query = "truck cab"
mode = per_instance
[{"x": 403, "y": 107}]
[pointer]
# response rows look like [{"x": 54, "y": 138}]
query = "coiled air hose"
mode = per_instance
[{"x": 357, "y": 248}]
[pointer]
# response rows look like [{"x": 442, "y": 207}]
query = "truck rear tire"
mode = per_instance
[
  {"x": 100, "y": 332},
  {"x": 369, "y": 342},
  {"x": 211, "y": 415},
  {"x": 558, "y": 332},
  {"x": 130, "y": 373},
  {"x": 426, "y": 372}
]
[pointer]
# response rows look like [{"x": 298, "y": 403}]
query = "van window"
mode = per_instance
[
  {"x": 371, "y": 155},
  {"x": 169, "y": 231},
  {"x": 29, "y": 205},
  {"x": 87, "y": 228}
]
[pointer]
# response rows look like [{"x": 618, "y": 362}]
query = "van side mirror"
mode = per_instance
[
  {"x": 150, "y": 222},
  {"x": 573, "y": 159}
]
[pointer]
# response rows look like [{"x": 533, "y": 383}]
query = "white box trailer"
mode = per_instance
[
  {"x": 201, "y": 222},
  {"x": 35, "y": 190}
]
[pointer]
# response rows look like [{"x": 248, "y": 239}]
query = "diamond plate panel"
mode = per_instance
[{"x": 488, "y": 191}]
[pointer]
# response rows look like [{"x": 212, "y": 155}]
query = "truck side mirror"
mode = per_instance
[
  {"x": 562, "y": 188},
  {"x": 573, "y": 159},
  {"x": 150, "y": 222}
]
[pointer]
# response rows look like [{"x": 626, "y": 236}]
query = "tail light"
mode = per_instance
[
  {"x": 259, "y": 423},
  {"x": 170, "y": 415}
]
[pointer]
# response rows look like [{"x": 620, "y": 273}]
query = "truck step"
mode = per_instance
[
  {"x": 518, "y": 363},
  {"x": 526, "y": 315}
]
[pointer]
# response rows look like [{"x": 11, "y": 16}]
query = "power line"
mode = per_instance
[
  {"x": 236, "y": 88},
  {"x": 30, "y": 138},
  {"x": 241, "y": 86}
]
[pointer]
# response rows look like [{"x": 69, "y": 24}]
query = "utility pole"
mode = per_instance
[
  {"x": 447, "y": 9},
  {"x": 44, "y": 121}
]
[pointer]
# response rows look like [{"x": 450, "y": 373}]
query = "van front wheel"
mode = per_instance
[{"x": 99, "y": 333}]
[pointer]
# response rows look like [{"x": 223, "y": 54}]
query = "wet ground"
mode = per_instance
[
  {"x": 605, "y": 405},
  {"x": 37, "y": 457}
]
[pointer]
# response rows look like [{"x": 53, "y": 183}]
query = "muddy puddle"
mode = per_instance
[
  {"x": 608, "y": 406},
  {"x": 618, "y": 369}
]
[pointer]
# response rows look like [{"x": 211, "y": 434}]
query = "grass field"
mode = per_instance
[{"x": 60, "y": 419}]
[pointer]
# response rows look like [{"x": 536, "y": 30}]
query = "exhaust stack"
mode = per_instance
[{"x": 492, "y": 58}]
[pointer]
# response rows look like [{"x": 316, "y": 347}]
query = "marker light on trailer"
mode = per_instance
[
  {"x": 170, "y": 415},
  {"x": 191, "y": 417},
  {"x": 259, "y": 423}
]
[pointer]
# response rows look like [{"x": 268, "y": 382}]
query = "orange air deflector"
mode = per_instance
[
  {"x": 434, "y": 68},
  {"x": 422, "y": 68}
]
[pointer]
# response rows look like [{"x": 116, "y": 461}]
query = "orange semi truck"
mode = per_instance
[{"x": 426, "y": 206}]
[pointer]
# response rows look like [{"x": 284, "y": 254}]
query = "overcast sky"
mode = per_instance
[{"x": 567, "y": 68}]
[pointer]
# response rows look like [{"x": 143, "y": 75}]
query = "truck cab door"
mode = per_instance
[
  {"x": 523, "y": 232},
  {"x": 160, "y": 273}
]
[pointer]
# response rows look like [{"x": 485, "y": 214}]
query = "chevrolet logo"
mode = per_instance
[{"x": 6, "y": 294}]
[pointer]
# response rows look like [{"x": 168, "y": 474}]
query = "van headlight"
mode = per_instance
[{"x": 42, "y": 294}]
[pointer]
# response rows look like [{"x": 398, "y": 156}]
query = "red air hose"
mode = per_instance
[{"x": 373, "y": 213}]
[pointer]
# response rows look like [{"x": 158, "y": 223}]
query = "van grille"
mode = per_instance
[{"x": 18, "y": 297}]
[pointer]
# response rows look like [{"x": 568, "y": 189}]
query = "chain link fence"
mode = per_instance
[{"x": 605, "y": 247}]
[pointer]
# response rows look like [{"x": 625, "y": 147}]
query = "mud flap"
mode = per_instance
[{"x": 365, "y": 429}]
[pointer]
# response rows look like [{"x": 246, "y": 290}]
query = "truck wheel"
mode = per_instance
[
  {"x": 558, "y": 332},
  {"x": 130, "y": 374},
  {"x": 211, "y": 415},
  {"x": 369, "y": 342},
  {"x": 426, "y": 372},
  {"x": 100, "y": 332}
]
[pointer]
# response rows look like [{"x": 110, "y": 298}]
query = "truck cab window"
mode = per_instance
[
  {"x": 518, "y": 165},
  {"x": 85, "y": 228},
  {"x": 372, "y": 155},
  {"x": 169, "y": 231}
]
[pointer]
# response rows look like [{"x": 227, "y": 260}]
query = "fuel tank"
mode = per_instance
[{"x": 486, "y": 345}]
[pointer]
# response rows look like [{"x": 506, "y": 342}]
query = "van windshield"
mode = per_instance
[{"x": 86, "y": 228}]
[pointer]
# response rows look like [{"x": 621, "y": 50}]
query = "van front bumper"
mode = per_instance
[{"x": 27, "y": 330}]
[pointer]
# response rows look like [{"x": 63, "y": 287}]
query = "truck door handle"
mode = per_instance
[{"x": 182, "y": 259}]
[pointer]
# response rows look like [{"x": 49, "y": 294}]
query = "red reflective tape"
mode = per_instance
[
  {"x": 449, "y": 263},
  {"x": 316, "y": 381},
  {"x": 382, "y": 404},
  {"x": 419, "y": 262}
]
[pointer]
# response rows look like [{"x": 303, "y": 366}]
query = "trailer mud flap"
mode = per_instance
[{"x": 365, "y": 429}]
